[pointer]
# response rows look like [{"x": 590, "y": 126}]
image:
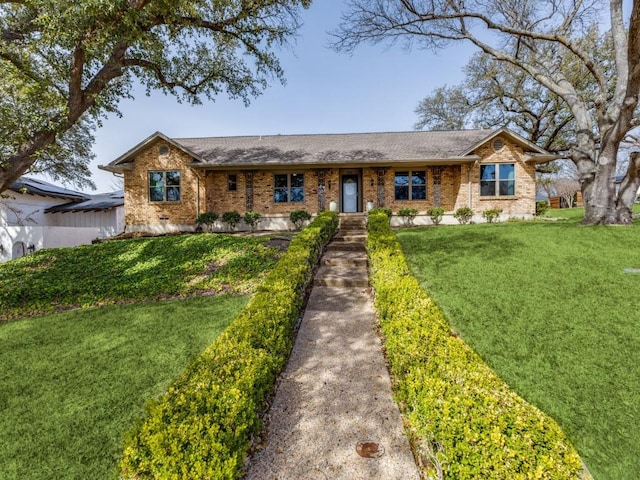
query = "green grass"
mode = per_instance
[
  {"x": 130, "y": 270},
  {"x": 71, "y": 384},
  {"x": 549, "y": 307}
]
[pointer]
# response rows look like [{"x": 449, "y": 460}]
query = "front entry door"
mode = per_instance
[{"x": 350, "y": 193}]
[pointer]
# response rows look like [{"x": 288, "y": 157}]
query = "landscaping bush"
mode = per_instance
[
  {"x": 386, "y": 210},
  {"x": 463, "y": 215},
  {"x": 436, "y": 213},
  {"x": 491, "y": 214},
  {"x": 408, "y": 215},
  {"x": 252, "y": 219},
  {"x": 298, "y": 217},
  {"x": 207, "y": 219},
  {"x": 463, "y": 419},
  {"x": 201, "y": 428},
  {"x": 541, "y": 208},
  {"x": 231, "y": 219}
]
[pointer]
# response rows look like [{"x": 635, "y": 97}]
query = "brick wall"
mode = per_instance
[
  {"x": 524, "y": 200},
  {"x": 208, "y": 190},
  {"x": 219, "y": 199},
  {"x": 139, "y": 210}
]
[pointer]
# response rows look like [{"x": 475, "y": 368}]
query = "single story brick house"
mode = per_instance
[{"x": 169, "y": 181}]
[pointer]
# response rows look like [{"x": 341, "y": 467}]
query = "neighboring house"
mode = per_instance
[
  {"x": 169, "y": 181},
  {"x": 37, "y": 214}
]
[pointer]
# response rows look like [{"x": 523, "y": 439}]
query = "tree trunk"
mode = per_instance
[
  {"x": 599, "y": 197},
  {"x": 18, "y": 163},
  {"x": 628, "y": 191}
]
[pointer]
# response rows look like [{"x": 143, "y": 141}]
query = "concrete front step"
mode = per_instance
[
  {"x": 351, "y": 237},
  {"x": 342, "y": 276},
  {"x": 344, "y": 257},
  {"x": 346, "y": 246}
]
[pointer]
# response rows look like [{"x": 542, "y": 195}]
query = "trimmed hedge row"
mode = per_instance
[
  {"x": 464, "y": 421},
  {"x": 201, "y": 428}
]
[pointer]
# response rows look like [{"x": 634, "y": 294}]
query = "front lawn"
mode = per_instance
[
  {"x": 550, "y": 308},
  {"x": 71, "y": 384},
  {"x": 132, "y": 270}
]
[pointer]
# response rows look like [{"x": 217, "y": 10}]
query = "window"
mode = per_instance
[
  {"x": 288, "y": 187},
  {"x": 411, "y": 185},
  {"x": 497, "y": 180},
  {"x": 164, "y": 186},
  {"x": 163, "y": 151},
  {"x": 232, "y": 183}
]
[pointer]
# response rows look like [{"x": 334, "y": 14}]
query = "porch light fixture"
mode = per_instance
[
  {"x": 329, "y": 184},
  {"x": 1, "y": 248}
]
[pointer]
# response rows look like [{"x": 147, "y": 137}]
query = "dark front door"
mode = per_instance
[{"x": 350, "y": 193}]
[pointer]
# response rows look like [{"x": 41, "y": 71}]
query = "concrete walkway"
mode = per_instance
[{"x": 333, "y": 416}]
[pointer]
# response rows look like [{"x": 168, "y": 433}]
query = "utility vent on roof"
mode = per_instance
[
  {"x": 497, "y": 144},
  {"x": 163, "y": 150}
]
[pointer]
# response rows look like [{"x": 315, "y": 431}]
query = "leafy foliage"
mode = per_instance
[
  {"x": 298, "y": 217},
  {"x": 231, "y": 219},
  {"x": 436, "y": 214},
  {"x": 386, "y": 210},
  {"x": 66, "y": 65},
  {"x": 202, "y": 426},
  {"x": 542, "y": 208},
  {"x": 207, "y": 218},
  {"x": 127, "y": 270},
  {"x": 463, "y": 215},
  {"x": 491, "y": 214},
  {"x": 252, "y": 219},
  {"x": 408, "y": 215},
  {"x": 463, "y": 418}
]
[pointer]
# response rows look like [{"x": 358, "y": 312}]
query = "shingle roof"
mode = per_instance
[
  {"x": 342, "y": 149},
  {"x": 39, "y": 187},
  {"x": 332, "y": 148},
  {"x": 101, "y": 201}
]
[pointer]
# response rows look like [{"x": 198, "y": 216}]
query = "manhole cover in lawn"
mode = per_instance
[
  {"x": 631, "y": 270},
  {"x": 369, "y": 449}
]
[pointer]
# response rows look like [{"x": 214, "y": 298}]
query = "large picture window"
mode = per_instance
[
  {"x": 164, "y": 186},
  {"x": 411, "y": 185},
  {"x": 497, "y": 180},
  {"x": 288, "y": 187}
]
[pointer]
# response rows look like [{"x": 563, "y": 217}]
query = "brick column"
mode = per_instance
[
  {"x": 248, "y": 180},
  {"x": 380, "y": 173},
  {"x": 437, "y": 186}
]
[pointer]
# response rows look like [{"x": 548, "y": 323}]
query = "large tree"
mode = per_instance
[
  {"x": 64, "y": 64},
  {"x": 497, "y": 94},
  {"x": 543, "y": 39}
]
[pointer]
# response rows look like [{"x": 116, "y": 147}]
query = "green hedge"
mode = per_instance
[
  {"x": 201, "y": 428},
  {"x": 464, "y": 421}
]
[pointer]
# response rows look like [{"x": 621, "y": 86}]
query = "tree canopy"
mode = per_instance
[
  {"x": 67, "y": 63},
  {"x": 545, "y": 40}
]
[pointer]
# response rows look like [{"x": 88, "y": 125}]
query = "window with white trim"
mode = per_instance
[
  {"x": 288, "y": 188},
  {"x": 497, "y": 180},
  {"x": 164, "y": 186},
  {"x": 410, "y": 185}
]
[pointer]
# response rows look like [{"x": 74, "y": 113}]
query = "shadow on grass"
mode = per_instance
[{"x": 127, "y": 270}]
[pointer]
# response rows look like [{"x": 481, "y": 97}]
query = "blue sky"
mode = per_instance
[{"x": 374, "y": 90}]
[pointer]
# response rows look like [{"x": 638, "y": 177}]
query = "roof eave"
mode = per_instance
[
  {"x": 129, "y": 156},
  {"x": 527, "y": 144},
  {"x": 309, "y": 165}
]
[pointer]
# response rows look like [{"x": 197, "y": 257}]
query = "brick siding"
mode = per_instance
[{"x": 455, "y": 191}]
